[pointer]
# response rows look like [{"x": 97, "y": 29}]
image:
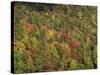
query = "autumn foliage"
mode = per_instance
[
  {"x": 50, "y": 37},
  {"x": 74, "y": 44},
  {"x": 29, "y": 27}
]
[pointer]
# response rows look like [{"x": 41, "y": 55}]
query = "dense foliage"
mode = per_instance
[{"x": 49, "y": 37}]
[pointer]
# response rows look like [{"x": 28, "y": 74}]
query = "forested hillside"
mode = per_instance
[{"x": 50, "y": 37}]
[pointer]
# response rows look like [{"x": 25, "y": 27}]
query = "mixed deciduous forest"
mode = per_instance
[{"x": 54, "y": 37}]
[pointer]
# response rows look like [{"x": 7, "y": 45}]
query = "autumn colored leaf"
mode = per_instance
[
  {"x": 74, "y": 44},
  {"x": 65, "y": 36},
  {"x": 28, "y": 27}
]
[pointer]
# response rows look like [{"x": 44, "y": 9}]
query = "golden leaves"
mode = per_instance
[
  {"x": 50, "y": 34},
  {"x": 20, "y": 47},
  {"x": 66, "y": 51}
]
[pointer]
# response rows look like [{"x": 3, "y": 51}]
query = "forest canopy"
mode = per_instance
[{"x": 54, "y": 37}]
